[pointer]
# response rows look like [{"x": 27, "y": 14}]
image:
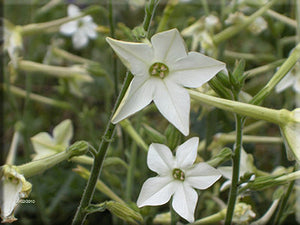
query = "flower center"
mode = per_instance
[
  {"x": 159, "y": 69},
  {"x": 178, "y": 174}
]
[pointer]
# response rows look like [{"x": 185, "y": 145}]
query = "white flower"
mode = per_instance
[
  {"x": 161, "y": 71},
  {"x": 45, "y": 145},
  {"x": 291, "y": 79},
  {"x": 246, "y": 166},
  {"x": 177, "y": 176},
  {"x": 80, "y": 30},
  {"x": 13, "y": 187}
]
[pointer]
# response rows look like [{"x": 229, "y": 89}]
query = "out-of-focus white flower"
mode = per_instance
[
  {"x": 161, "y": 71},
  {"x": 177, "y": 177},
  {"x": 80, "y": 30},
  {"x": 291, "y": 79},
  {"x": 45, "y": 145},
  {"x": 246, "y": 166},
  {"x": 13, "y": 187},
  {"x": 201, "y": 32},
  {"x": 243, "y": 214},
  {"x": 256, "y": 27},
  {"x": 13, "y": 43}
]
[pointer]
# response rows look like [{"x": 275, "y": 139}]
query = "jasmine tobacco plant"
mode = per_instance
[{"x": 81, "y": 135}]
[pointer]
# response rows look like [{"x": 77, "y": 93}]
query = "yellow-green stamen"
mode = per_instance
[
  {"x": 159, "y": 70},
  {"x": 178, "y": 174}
]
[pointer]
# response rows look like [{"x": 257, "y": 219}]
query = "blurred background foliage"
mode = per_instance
[{"x": 57, "y": 191}]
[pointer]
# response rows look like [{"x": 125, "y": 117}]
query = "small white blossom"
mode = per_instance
[
  {"x": 13, "y": 187},
  {"x": 177, "y": 177},
  {"x": 80, "y": 30},
  {"x": 45, "y": 145},
  {"x": 161, "y": 71}
]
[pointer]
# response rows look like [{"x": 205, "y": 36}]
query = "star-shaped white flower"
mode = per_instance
[
  {"x": 161, "y": 71},
  {"x": 80, "y": 30},
  {"x": 177, "y": 176},
  {"x": 45, "y": 145}
]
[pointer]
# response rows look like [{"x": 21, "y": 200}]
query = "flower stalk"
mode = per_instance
[
  {"x": 56, "y": 71},
  {"x": 38, "y": 166},
  {"x": 55, "y": 24}
]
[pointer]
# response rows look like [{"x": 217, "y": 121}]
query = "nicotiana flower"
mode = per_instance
[
  {"x": 45, "y": 145},
  {"x": 177, "y": 177},
  {"x": 80, "y": 30},
  {"x": 161, "y": 71},
  {"x": 13, "y": 187},
  {"x": 246, "y": 166}
]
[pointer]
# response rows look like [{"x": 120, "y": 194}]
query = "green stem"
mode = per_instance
[
  {"x": 283, "y": 204},
  {"x": 38, "y": 98},
  {"x": 127, "y": 126},
  {"x": 235, "y": 29},
  {"x": 69, "y": 56},
  {"x": 235, "y": 170},
  {"x": 56, "y": 71},
  {"x": 42, "y": 27},
  {"x": 112, "y": 34},
  {"x": 13, "y": 148},
  {"x": 213, "y": 219},
  {"x": 264, "y": 68},
  {"x": 282, "y": 18},
  {"x": 166, "y": 15},
  {"x": 283, "y": 70},
  {"x": 149, "y": 13},
  {"x": 130, "y": 172},
  {"x": 88, "y": 193},
  {"x": 249, "y": 56}
]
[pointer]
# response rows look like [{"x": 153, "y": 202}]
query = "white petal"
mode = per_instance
[
  {"x": 168, "y": 46},
  {"x": 73, "y": 10},
  {"x": 87, "y": 19},
  {"x": 195, "y": 70},
  {"x": 202, "y": 176},
  {"x": 138, "y": 96},
  {"x": 226, "y": 171},
  {"x": 156, "y": 191},
  {"x": 184, "y": 201},
  {"x": 69, "y": 28},
  {"x": 43, "y": 145},
  {"x": 80, "y": 39},
  {"x": 225, "y": 185},
  {"x": 173, "y": 102},
  {"x": 63, "y": 133},
  {"x": 186, "y": 153},
  {"x": 160, "y": 159},
  {"x": 137, "y": 57},
  {"x": 10, "y": 196},
  {"x": 286, "y": 82},
  {"x": 90, "y": 30}
]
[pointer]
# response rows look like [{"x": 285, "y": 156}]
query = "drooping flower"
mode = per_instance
[
  {"x": 13, "y": 187},
  {"x": 161, "y": 71},
  {"x": 45, "y": 145},
  {"x": 80, "y": 30},
  {"x": 177, "y": 177}
]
